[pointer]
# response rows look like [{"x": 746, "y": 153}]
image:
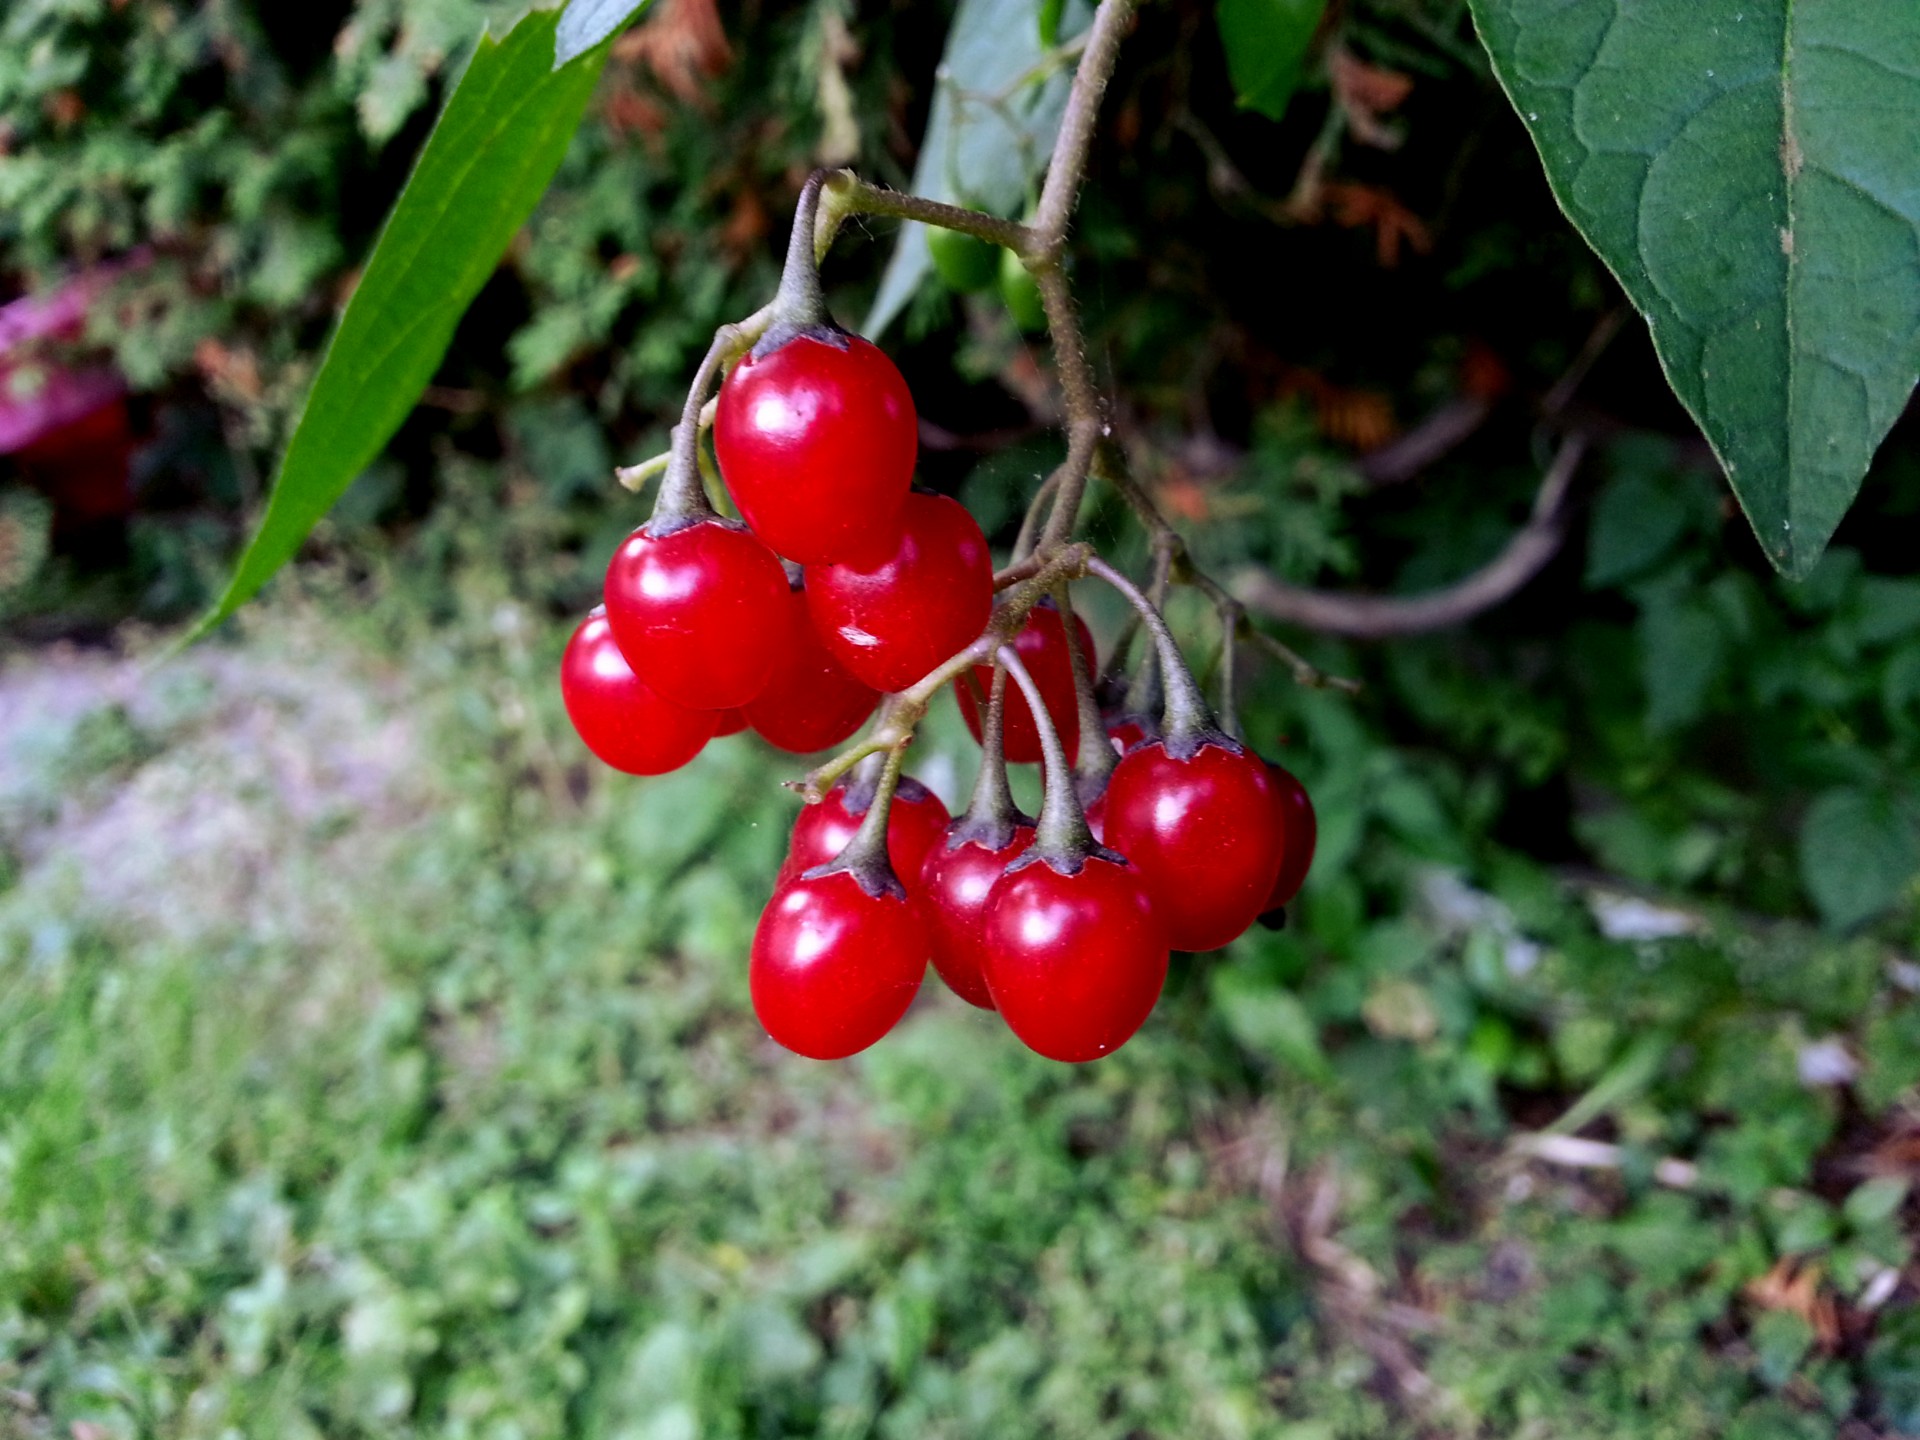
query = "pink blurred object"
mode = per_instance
[
  {"x": 67, "y": 427},
  {"x": 39, "y": 395}
]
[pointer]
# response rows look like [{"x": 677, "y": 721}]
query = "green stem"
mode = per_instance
[
  {"x": 992, "y": 817},
  {"x": 865, "y": 857},
  {"x": 1187, "y": 724},
  {"x": 1093, "y": 767},
  {"x": 1231, "y": 617},
  {"x": 846, "y": 194},
  {"x": 1062, "y": 838},
  {"x": 799, "y": 305}
]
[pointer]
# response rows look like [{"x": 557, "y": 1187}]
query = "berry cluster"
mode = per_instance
[
  {"x": 843, "y": 584},
  {"x": 1064, "y": 925},
  {"x": 704, "y": 631}
]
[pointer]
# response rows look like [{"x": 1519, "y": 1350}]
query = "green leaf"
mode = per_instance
[
  {"x": 1636, "y": 521},
  {"x": 1682, "y": 652},
  {"x": 1857, "y": 854},
  {"x": 1266, "y": 42},
  {"x": 1877, "y": 1200},
  {"x": 1747, "y": 168},
  {"x": 1050, "y": 22},
  {"x": 1269, "y": 1021},
  {"x": 484, "y": 167},
  {"x": 585, "y": 23},
  {"x": 996, "y": 111}
]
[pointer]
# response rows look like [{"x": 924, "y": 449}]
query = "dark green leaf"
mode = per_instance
[
  {"x": 1681, "y": 655},
  {"x": 1748, "y": 170},
  {"x": 1857, "y": 854},
  {"x": 585, "y": 23},
  {"x": 1266, "y": 41},
  {"x": 1893, "y": 1365},
  {"x": 1635, "y": 522},
  {"x": 1888, "y": 609},
  {"x": 484, "y": 167}
]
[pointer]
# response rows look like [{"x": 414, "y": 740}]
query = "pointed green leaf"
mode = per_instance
[
  {"x": 1749, "y": 170},
  {"x": 485, "y": 166},
  {"x": 585, "y": 23},
  {"x": 1266, "y": 41}
]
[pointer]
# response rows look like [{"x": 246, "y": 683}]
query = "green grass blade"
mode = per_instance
[{"x": 484, "y": 168}]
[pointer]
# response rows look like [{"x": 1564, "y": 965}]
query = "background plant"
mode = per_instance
[{"x": 1657, "y": 739}]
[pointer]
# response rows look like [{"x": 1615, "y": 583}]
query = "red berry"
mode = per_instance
[
  {"x": 915, "y": 824},
  {"x": 1075, "y": 962},
  {"x": 833, "y": 967},
  {"x": 810, "y": 703},
  {"x": 698, "y": 612},
  {"x": 618, "y": 716},
  {"x": 1128, "y": 732},
  {"x": 890, "y": 620},
  {"x": 1042, "y": 648},
  {"x": 1301, "y": 829},
  {"x": 732, "y": 722},
  {"x": 955, "y": 884},
  {"x": 817, "y": 444},
  {"x": 1205, "y": 833}
]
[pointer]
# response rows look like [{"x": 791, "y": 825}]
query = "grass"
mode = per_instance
[{"x": 370, "y": 1067}]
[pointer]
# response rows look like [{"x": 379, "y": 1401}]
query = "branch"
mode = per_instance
[
  {"x": 1069, "y": 161},
  {"x": 1376, "y": 617}
]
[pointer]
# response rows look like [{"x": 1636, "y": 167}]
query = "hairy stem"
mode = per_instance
[
  {"x": 1187, "y": 724},
  {"x": 1062, "y": 835}
]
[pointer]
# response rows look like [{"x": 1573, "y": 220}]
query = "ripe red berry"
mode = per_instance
[
  {"x": 955, "y": 884},
  {"x": 890, "y": 620},
  {"x": 817, "y": 444},
  {"x": 915, "y": 824},
  {"x": 810, "y": 703},
  {"x": 833, "y": 967},
  {"x": 732, "y": 722},
  {"x": 1205, "y": 832},
  {"x": 698, "y": 611},
  {"x": 1042, "y": 648},
  {"x": 1127, "y": 732},
  {"x": 1074, "y": 962},
  {"x": 618, "y": 715},
  {"x": 1301, "y": 829}
]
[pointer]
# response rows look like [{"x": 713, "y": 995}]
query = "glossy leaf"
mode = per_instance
[
  {"x": 585, "y": 23},
  {"x": 1266, "y": 41},
  {"x": 484, "y": 167},
  {"x": 988, "y": 133},
  {"x": 1748, "y": 170}
]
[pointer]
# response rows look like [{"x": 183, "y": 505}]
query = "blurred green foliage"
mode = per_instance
[
  {"x": 456, "y": 1122},
  {"x": 434, "y": 1106}
]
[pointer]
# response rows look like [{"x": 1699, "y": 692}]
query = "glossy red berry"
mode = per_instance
[
  {"x": 1302, "y": 831},
  {"x": 833, "y": 967},
  {"x": 891, "y": 620},
  {"x": 698, "y": 612},
  {"x": 915, "y": 824},
  {"x": 810, "y": 703},
  {"x": 955, "y": 884},
  {"x": 1205, "y": 833},
  {"x": 817, "y": 444},
  {"x": 1127, "y": 732},
  {"x": 732, "y": 722},
  {"x": 1074, "y": 962},
  {"x": 619, "y": 717},
  {"x": 1042, "y": 648}
]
